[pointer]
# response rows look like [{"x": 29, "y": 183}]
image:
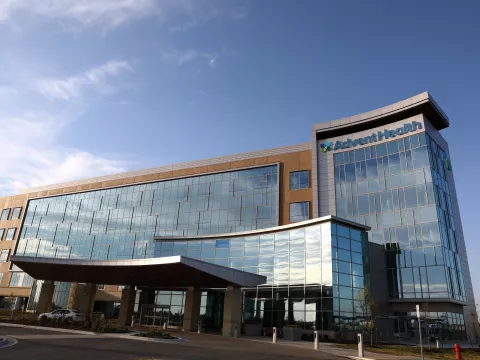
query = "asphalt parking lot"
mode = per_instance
[{"x": 39, "y": 344}]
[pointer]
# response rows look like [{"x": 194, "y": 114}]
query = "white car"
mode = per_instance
[{"x": 64, "y": 313}]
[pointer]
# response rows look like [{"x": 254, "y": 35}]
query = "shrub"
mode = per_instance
[
  {"x": 113, "y": 329},
  {"x": 43, "y": 321},
  {"x": 156, "y": 334}
]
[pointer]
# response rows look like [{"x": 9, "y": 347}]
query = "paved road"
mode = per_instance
[{"x": 39, "y": 345}]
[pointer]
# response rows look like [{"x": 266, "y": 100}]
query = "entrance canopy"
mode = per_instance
[{"x": 171, "y": 271}]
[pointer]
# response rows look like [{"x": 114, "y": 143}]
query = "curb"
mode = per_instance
[
  {"x": 139, "y": 338},
  {"x": 81, "y": 332},
  {"x": 45, "y": 328},
  {"x": 6, "y": 342}
]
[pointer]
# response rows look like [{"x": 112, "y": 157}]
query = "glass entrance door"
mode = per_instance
[{"x": 154, "y": 315}]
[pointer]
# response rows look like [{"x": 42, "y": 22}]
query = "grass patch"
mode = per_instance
[
  {"x": 433, "y": 353},
  {"x": 156, "y": 334}
]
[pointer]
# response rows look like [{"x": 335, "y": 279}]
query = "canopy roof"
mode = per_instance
[{"x": 171, "y": 271}]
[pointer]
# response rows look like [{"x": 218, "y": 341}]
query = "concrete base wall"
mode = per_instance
[
  {"x": 46, "y": 296},
  {"x": 192, "y": 309},
  {"x": 232, "y": 312},
  {"x": 127, "y": 304},
  {"x": 82, "y": 297}
]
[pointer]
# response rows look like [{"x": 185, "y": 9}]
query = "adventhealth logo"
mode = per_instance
[{"x": 379, "y": 136}]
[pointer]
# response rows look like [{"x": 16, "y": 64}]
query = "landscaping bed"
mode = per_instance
[
  {"x": 25, "y": 318},
  {"x": 155, "y": 334},
  {"x": 433, "y": 353}
]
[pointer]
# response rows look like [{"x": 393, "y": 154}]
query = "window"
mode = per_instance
[
  {"x": 299, "y": 180},
  {"x": 16, "y": 213},
  {"x": 4, "y": 255},
  {"x": 2, "y": 231},
  {"x": 100, "y": 287},
  {"x": 20, "y": 279},
  {"x": 10, "y": 234},
  {"x": 299, "y": 211},
  {"x": 1, "y": 278},
  {"x": 5, "y": 213}
]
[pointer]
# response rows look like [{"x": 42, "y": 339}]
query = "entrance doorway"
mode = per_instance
[{"x": 154, "y": 315}]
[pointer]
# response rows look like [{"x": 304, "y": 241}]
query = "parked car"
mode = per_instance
[{"x": 64, "y": 313}]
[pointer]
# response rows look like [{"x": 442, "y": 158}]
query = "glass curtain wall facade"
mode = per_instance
[
  {"x": 314, "y": 273},
  {"x": 400, "y": 190},
  {"x": 120, "y": 223}
]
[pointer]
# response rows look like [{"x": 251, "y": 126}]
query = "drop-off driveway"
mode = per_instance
[{"x": 39, "y": 345}]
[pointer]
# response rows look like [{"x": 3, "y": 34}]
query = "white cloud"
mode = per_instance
[
  {"x": 33, "y": 129},
  {"x": 103, "y": 13},
  {"x": 7, "y": 92},
  {"x": 73, "y": 87},
  {"x": 34, "y": 158},
  {"x": 178, "y": 15},
  {"x": 181, "y": 57},
  {"x": 239, "y": 13}
]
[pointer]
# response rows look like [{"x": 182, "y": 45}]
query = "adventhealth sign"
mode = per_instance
[{"x": 379, "y": 136}]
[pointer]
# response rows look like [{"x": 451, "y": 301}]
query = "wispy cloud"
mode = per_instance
[
  {"x": 176, "y": 15},
  {"x": 239, "y": 13},
  {"x": 7, "y": 92},
  {"x": 34, "y": 158},
  {"x": 32, "y": 134},
  {"x": 181, "y": 57},
  {"x": 73, "y": 87},
  {"x": 104, "y": 13}
]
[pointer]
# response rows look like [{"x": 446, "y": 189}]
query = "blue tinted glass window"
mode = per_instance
[
  {"x": 10, "y": 234},
  {"x": 16, "y": 213},
  {"x": 350, "y": 172},
  {"x": 359, "y": 155},
  {"x": 5, "y": 213},
  {"x": 381, "y": 150},
  {"x": 431, "y": 234},
  {"x": 343, "y": 231},
  {"x": 372, "y": 171},
  {"x": 357, "y": 258},
  {"x": 392, "y": 147},
  {"x": 394, "y": 161},
  {"x": 343, "y": 243},
  {"x": 222, "y": 244},
  {"x": 338, "y": 159},
  {"x": 420, "y": 157},
  {"x": 414, "y": 142},
  {"x": 4, "y": 255},
  {"x": 344, "y": 255},
  {"x": 299, "y": 211},
  {"x": 299, "y": 180}
]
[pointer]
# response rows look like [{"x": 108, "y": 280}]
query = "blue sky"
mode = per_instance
[{"x": 92, "y": 87}]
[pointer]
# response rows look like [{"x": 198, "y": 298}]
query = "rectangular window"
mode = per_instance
[
  {"x": 299, "y": 211},
  {"x": 10, "y": 234},
  {"x": 299, "y": 180},
  {"x": 2, "y": 231},
  {"x": 100, "y": 287},
  {"x": 16, "y": 213},
  {"x": 5, "y": 213},
  {"x": 4, "y": 255},
  {"x": 20, "y": 279},
  {"x": 1, "y": 278}
]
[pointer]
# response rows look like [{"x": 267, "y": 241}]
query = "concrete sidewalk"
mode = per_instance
[{"x": 331, "y": 349}]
